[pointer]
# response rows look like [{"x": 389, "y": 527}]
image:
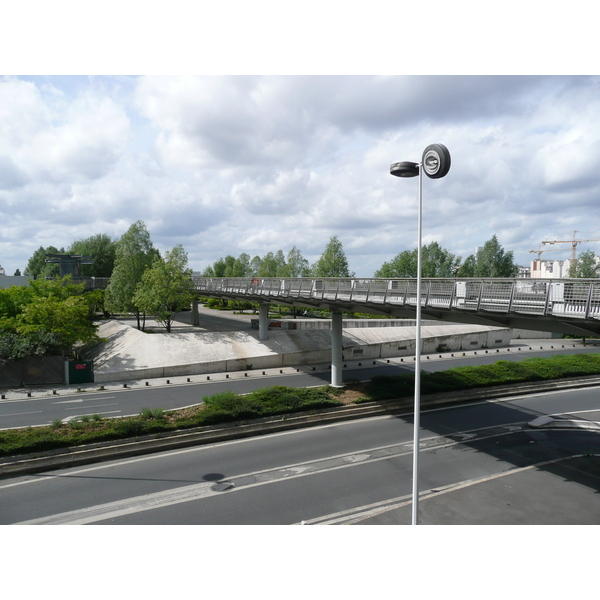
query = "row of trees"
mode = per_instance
[
  {"x": 490, "y": 261},
  {"x": 332, "y": 263}
]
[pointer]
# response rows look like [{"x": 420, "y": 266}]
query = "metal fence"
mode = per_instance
[
  {"x": 578, "y": 299},
  {"x": 33, "y": 370}
]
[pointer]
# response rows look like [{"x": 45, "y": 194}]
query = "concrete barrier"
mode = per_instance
[{"x": 289, "y": 348}]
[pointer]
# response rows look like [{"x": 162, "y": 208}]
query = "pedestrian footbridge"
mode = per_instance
[{"x": 568, "y": 306}]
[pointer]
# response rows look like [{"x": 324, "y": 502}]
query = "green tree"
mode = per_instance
[
  {"x": 296, "y": 264},
  {"x": 45, "y": 317},
  {"x": 586, "y": 265},
  {"x": 37, "y": 267},
  {"x": 102, "y": 249},
  {"x": 255, "y": 266},
  {"x": 166, "y": 287},
  {"x": 241, "y": 266},
  {"x": 268, "y": 266},
  {"x": 467, "y": 269},
  {"x": 492, "y": 261},
  {"x": 134, "y": 254},
  {"x": 333, "y": 261},
  {"x": 67, "y": 319},
  {"x": 435, "y": 262}
]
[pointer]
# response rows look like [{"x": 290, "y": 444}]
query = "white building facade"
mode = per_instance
[{"x": 550, "y": 269}]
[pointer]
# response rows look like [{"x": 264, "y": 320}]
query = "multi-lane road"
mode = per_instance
[{"x": 352, "y": 472}]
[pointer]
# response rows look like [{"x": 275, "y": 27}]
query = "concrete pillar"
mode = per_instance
[
  {"x": 337, "y": 363},
  {"x": 195, "y": 314},
  {"x": 263, "y": 321}
]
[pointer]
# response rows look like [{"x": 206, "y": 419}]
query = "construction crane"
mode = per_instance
[
  {"x": 573, "y": 243},
  {"x": 540, "y": 250}
]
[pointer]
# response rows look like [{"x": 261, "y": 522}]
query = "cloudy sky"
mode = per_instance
[{"x": 226, "y": 164}]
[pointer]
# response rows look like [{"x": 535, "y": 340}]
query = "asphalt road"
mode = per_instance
[
  {"x": 352, "y": 472},
  {"x": 117, "y": 401}
]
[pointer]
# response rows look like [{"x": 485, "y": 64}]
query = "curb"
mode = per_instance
[{"x": 80, "y": 455}]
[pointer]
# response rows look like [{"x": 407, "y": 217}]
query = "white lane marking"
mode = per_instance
[
  {"x": 92, "y": 406},
  {"x": 66, "y": 401},
  {"x": 83, "y": 400},
  {"x": 33, "y": 412},
  {"x": 157, "y": 500}
]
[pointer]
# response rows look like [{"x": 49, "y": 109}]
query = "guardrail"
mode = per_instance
[{"x": 562, "y": 298}]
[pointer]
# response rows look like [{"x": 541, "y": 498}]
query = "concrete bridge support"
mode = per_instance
[
  {"x": 263, "y": 321},
  {"x": 337, "y": 362},
  {"x": 195, "y": 314}
]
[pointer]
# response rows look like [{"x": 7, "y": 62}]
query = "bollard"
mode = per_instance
[
  {"x": 147, "y": 383},
  {"x": 54, "y": 392},
  {"x": 189, "y": 380},
  {"x": 3, "y": 397},
  {"x": 265, "y": 373},
  {"x": 124, "y": 385},
  {"x": 227, "y": 376},
  {"x": 207, "y": 377},
  {"x": 168, "y": 381},
  {"x": 245, "y": 374}
]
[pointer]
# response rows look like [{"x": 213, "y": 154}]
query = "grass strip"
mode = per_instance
[
  {"x": 502, "y": 372},
  {"x": 211, "y": 410}
]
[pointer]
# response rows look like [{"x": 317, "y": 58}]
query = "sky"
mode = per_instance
[{"x": 253, "y": 159}]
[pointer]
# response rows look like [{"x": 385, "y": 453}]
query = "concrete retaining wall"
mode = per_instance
[
  {"x": 287, "y": 350},
  {"x": 309, "y": 324}
]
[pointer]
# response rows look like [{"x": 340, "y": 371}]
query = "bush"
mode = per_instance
[{"x": 152, "y": 413}]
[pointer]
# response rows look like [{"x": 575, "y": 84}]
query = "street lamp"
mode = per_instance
[{"x": 436, "y": 164}]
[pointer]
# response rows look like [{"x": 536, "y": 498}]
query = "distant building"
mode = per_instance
[
  {"x": 550, "y": 269},
  {"x": 2, "y": 271},
  {"x": 9, "y": 280}
]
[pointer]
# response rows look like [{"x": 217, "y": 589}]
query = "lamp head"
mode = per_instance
[{"x": 404, "y": 169}]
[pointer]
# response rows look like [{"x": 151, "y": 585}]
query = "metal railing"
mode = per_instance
[{"x": 564, "y": 298}]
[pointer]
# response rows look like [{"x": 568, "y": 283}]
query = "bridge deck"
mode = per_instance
[{"x": 570, "y": 306}]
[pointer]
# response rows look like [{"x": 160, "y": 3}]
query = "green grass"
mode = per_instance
[
  {"x": 219, "y": 408},
  {"x": 500, "y": 373}
]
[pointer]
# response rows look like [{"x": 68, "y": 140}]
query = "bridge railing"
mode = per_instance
[{"x": 572, "y": 298}]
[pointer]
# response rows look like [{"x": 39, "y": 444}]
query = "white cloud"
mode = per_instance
[{"x": 252, "y": 164}]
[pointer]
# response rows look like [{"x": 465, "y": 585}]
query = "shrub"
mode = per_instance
[{"x": 152, "y": 413}]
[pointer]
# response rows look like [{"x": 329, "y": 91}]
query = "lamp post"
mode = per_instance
[{"x": 436, "y": 164}]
